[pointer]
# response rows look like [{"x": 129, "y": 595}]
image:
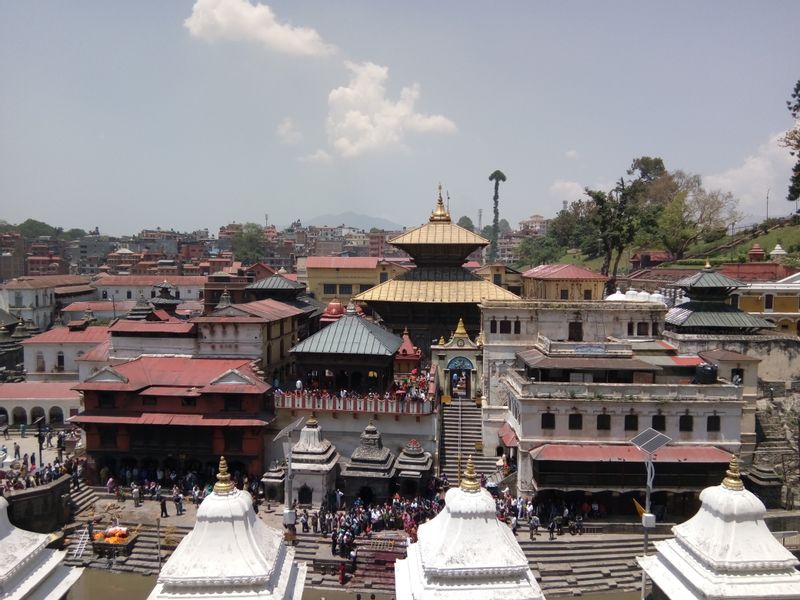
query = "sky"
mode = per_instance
[{"x": 194, "y": 114}]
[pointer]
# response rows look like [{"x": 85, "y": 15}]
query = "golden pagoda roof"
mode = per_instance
[{"x": 467, "y": 292}]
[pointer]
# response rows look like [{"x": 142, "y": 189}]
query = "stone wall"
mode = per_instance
[{"x": 42, "y": 509}]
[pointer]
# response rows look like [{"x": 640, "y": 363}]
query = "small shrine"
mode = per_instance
[
  {"x": 230, "y": 553},
  {"x": 165, "y": 299},
  {"x": 141, "y": 311},
  {"x": 408, "y": 357},
  {"x": 371, "y": 469},
  {"x": 413, "y": 469},
  {"x": 314, "y": 465},
  {"x": 465, "y": 552},
  {"x": 724, "y": 551},
  {"x": 459, "y": 363},
  {"x": 28, "y": 569}
]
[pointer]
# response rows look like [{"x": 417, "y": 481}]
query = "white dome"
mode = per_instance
[
  {"x": 617, "y": 296},
  {"x": 643, "y": 296},
  {"x": 631, "y": 295},
  {"x": 658, "y": 297}
]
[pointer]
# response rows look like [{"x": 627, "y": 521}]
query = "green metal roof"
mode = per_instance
[
  {"x": 713, "y": 315},
  {"x": 275, "y": 282},
  {"x": 351, "y": 334},
  {"x": 708, "y": 279}
]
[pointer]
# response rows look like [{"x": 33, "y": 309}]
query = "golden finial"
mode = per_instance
[
  {"x": 708, "y": 264},
  {"x": 732, "y": 479},
  {"x": 460, "y": 329},
  {"x": 469, "y": 483},
  {"x": 224, "y": 484},
  {"x": 440, "y": 213},
  {"x": 312, "y": 421}
]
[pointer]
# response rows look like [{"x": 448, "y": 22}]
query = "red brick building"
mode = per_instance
[{"x": 176, "y": 413}]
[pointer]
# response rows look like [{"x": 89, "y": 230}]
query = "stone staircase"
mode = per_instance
[
  {"x": 84, "y": 498},
  {"x": 470, "y": 415},
  {"x": 776, "y": 446},
  {"x": 143, "y": 558}
]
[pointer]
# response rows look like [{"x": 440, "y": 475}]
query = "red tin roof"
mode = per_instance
[
  {"x": 38, "y": 391},
  {"x": 628, "y": 453},
  {"x": 94, "y": 334},
  {"x": 560, "y": 271}
]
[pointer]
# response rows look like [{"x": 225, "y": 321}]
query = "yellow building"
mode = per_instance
[
  {"x": 344, "y": 277},
  {"x": 778, "y": 303},
  {"x": 563, "y": 282},
  {"x": 502, "y": 275}
]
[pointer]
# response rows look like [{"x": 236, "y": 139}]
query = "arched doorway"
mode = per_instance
[
  {"x": 37, "y": 412},
  {"x": 460, "y": 374},
  {"x": 20, "y": 416},
  {"x": 3, "y": 417},
  {"x": 408, "y": 488},
  {"x": 56, "y": 415},
  {"x": 304, "y": 494}
]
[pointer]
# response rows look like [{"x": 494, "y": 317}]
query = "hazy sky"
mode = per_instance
[{"x": 187, "y": 114}]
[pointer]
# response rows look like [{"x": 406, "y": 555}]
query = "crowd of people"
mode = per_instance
[{"x": 29, "y": 475}]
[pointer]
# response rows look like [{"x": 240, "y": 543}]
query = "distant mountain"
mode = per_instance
[{"x": 351, "y": 219}]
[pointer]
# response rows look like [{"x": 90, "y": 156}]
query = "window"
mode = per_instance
[
  {"x": 497, "y": 279},
  {"x": 505, "y": 326},
  {"x": 104, "y": 295},
  {"x": 603, "y": 422},
  {"x": 233, "y": 403},
  {"x": 686, "y": 423},
  {"x": 575, "y": 331},
  {"x": 105, "y": 400},
  {"x": 329, "y": 289},
  {"x": 129, "y": 294},
  {"x": 587, "y": 294},
  {"x": 713, "y": 423},
  {"x": 364, "y": 287},
  {"x": 769, "y": 301},
  {"x": 631, "y": 422},
  {"x": 735, "y": 300},
  {"x": 188, "y": 401},
  {"x": 576, "y": 421},
  {"x": 630, "y": 329},
  {"x": 177, "y": 293},
  {"x": 60, "y": 361},
  {"x": 655, "y": 329},
  {"x": 659, "y": 422},
  {"x": 383, "y": 277},
  {"x": 493, "y": 326},
  {"x": 548, "y": 420},
  {"x": 563, "y": 294},
  {"x": 516, "y": 327},
  {"x": 233, "y": 440},
  {"x": 641, "y": 329},
  {"x": 153, "y": 294},
  {"x": 39, "y": 361},
  {"x": 345, "y": 289},
  {"x": 18, "y": 299}
]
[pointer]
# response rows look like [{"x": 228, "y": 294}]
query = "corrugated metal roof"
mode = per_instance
[
  {"x": 713, "y": 315},
  {"x": 586, "y": 364},
  {"x": 275, "y": 282},
  {"x": 708, "y": 279},
  {"x": 628, "y": 453},
  {"x": 439, "y": 233},
  {"x": 32, "y": 282},
  {"x": 64, "y": 335},
  {"x": 151, "y": 280},
  {"x": 167, "y": 419},
  {"x": 562, "y": 271},
  {"x": 270, "y": 309},
  {"x": 430, "y": 284},
  {"x": 65, "y": 290},
  {"x": 728, "y": 355},
  {"x": 38, "y": 391},
  {"x": 121, "y": 306},
  {"x": 341, "y": 262},
  {"x": 351, "y": 334},
  {"x": 126, "y": 326}
]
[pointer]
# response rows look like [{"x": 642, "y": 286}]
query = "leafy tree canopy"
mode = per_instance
[
  {"x": 466, "y": 223},
  {"x": 248, "y": 245},
  {"x": 539, "y": 250}
]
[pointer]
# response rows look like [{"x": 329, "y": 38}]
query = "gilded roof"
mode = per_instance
[
  {"x": 459, "y": 290},
  {"x": 439, "y": 232}
]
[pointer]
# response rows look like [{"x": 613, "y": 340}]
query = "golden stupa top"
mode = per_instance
[
  {"x": 461, "y": 331},
  {"x": 732, "y": 480},
  {"x": 224, "y": 484},
  {"x": 469, "y": 482},
  {"x": 439, "y": 230}
]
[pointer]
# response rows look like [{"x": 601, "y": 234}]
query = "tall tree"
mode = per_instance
[
  {"x": 497, "y": 177},
  {"x": 466, "y": 223},
  {"x": 248, "y": 244},
  {"x": 792, "y": 141},
  {"x": 539, "y": 250}
]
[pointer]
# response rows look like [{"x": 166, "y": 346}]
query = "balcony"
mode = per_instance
[{"x": 352, "y": 404}]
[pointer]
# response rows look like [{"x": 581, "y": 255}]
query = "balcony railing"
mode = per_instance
[{"x": 360, "y": 404}]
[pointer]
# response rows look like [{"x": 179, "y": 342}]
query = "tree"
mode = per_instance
[
  {"x": 539, "y": 250},
  {"x": 73, "y": 234},
  {"x": 248, "y": 244},
  {"x": 497, "y": 177},
  {"x": 694, "y": 213},
  {"x": 792, "y": 141},
  {"x": 504, "y": 227},
  {"x": 31, "y": 228},
  {"x": 466, "y": 223}
]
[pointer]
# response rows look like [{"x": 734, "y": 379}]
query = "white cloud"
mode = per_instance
[
  {"x": 769, "y": 168},
  {"x": 239, "y": 20},
  {"x": 320, "y": 156},
  {"x": 571, "y": 154},
  {"x": 361, "y": 118},
  {"x": 287, "y": 133},
  {"x": 570, "y": 191}
]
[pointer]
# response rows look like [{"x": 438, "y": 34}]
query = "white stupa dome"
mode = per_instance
[
  {"x": 643, "y": 296},
  {"x": 631, "y": 295},
  {"x": 617, "y": 296}
]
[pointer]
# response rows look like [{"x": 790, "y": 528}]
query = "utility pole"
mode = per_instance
[
  {"x": 480, "y": 219},
  {"x": 768, "y": 189}
]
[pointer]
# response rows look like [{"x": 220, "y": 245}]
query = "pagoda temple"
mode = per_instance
[
  {"x": 466, "y": 553},
  {"x": 28, "y": 569},
  {"x": 314, "y": 465},
  {"x": 230, "y": 553},
  {"x": 439, "y": 290},
  {"x": 371, "y": 469},
  {"x": 724, "y": 551}
]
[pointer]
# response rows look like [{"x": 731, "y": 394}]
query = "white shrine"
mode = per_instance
[
  {"x": 230, "y": 553},
  {"x": 465, "y": 553},
  {"x": 724, "y": 551},
  {"x": 28, "y": 569},
  {"x": 314, "y": 465}
]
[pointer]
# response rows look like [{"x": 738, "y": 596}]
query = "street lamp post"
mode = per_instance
[
  {"x": 289, "y": 515},
  {"x": 649, "y": 441}
]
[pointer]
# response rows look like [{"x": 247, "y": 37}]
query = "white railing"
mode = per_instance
[{"x": 361, "y": 404}]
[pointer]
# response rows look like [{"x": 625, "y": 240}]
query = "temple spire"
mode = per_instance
[
  {"x": 469, "y": 483},
  {"x": 224, "y": 484},
  {"x": 732, "y": 479},
  {"x": 440, "y": 214}
]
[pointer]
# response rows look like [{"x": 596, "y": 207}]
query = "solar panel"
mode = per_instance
[{"x": 650, "y": 440}]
